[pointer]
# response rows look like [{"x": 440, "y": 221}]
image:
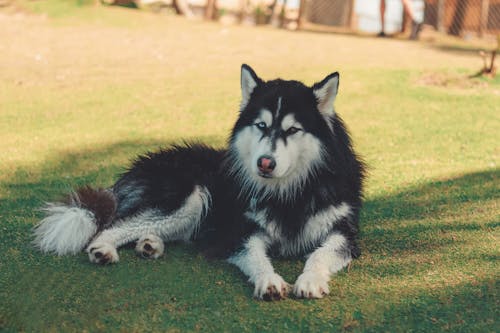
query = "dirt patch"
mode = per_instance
[{"x": 448, "y": 80}]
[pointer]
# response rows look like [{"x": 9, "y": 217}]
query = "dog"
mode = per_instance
[{"x": 289, "y": 184}]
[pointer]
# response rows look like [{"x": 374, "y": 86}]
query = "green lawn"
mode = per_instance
[{"x": 85, "y": 89}]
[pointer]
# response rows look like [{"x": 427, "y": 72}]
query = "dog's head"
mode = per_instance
[{"x": 283, "y": 125}]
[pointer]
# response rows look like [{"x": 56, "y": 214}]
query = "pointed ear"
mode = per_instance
[
  {"x": 249, "y": 80},
  {"x": 325, "y": 92}
]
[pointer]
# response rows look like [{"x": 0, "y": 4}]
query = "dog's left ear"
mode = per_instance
[
  {"x": 249, "y": 80},
  {"x": 325, "y": 92}
]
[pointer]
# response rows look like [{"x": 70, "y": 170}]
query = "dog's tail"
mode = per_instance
[{"x": 71, "y": 224}]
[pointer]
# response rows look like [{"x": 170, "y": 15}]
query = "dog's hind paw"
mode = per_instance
[
  {"x": 102, "y": 253},
  {"x": 271, "y": 287},
  {"x": 150, "y": 247},
  {"x": 311, "y": 285}
]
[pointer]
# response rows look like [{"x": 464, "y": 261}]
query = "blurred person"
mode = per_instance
[{"x": 416, "y": 24}]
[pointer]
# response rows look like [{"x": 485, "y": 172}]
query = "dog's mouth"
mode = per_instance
[
  {"x": 265, "y": 175},
  {"x": 274, "y": 174}
]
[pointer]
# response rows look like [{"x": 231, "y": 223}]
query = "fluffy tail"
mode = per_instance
[{"x": 70, "y": 225}]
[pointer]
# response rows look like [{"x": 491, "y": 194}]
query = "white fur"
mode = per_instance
[
  {"x": 205, "y": 200},
  {"x": 294, "y": 161},
  {"x": 269, "y": 284},
  {"x": 319, "y": 225},
  {"x": 156, "y": 243},
  {"x": 324, "y": 261},
  {"x": 248, "y": 84},
  {"x": 271, "y": 229},
  {"x": 65, "y": 230},
  {"x": 266, "y": 116},
  {"x": 180, "y": 225},
  {"x": 326, "y": 96},
  {"x": 316, "y": 229},
  {"x": 311, "y": 285},
  {"x": 107, "y": 253},
  {"x": 278, "y": 108},
  {"x": 290, "y": 121},
  {"x": 254, "y": 262}
]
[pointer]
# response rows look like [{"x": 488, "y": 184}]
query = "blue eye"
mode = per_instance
[{"x": 262, "y": 125}]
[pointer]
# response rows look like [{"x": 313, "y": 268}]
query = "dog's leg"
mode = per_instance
[
  {"x": 150, "y": 247},
  {"x": 328, "y": 259},
  {"x": 150, "y": 227},
  {"x": 103, "y": 249},
  {"x": 255, "y": 263}
]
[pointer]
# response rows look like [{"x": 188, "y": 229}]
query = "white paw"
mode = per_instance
[
  {"x": 150, "y": 247},
  {"x": 311, "y": 285},
  {"x": 271, "y": 287},
  {"x": 102, "y": 253}
]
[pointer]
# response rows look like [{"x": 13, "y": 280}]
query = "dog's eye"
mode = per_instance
[
  {"x": 292, "y": 130},
  {"x": 262, "y": 125}
]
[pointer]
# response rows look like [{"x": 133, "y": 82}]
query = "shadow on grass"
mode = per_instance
[
  {"x": 467, "y": 308},
  {"x": 439, "y": 199},
  {"x": 403, "y": 232},
  {"x": 416, "y": 220},
  {"x": 30, "y": 188},
  {"x": 413, "y": 222},
  {"x": 461, "y": 49}
]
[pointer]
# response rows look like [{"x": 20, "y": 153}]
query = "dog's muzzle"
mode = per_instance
[{"x": 266, "y": 165}]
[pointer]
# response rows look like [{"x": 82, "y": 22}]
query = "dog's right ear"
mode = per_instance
[{"x": 249, "y": 80}]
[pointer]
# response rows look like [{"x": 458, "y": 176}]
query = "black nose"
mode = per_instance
[{"x": 266, "y": 164}]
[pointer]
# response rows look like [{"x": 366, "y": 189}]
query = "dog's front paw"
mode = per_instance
[
  {"x": 271, "y": 287},
  {"x": 311, "y": 285},
  {"x": 150, "y": 247},
  {"x": 102, "y": 253}
]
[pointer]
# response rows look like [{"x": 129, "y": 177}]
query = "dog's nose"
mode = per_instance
[{"x": 266, "y": 164}]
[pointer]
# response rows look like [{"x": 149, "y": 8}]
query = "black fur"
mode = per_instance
[{"x": 164, "y": 179}]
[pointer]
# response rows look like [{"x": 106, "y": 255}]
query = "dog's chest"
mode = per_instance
[
  {"x": 285, "y": 243},
  {"x": 307, "y": 233}
]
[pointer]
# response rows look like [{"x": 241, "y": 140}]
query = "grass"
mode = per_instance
[{"x": 84, "y": 90}]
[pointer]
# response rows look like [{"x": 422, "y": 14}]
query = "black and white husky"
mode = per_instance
[{"x": 289, "y": 184}]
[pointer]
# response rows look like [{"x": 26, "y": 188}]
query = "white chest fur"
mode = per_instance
[{"x": 314, "y": 232}]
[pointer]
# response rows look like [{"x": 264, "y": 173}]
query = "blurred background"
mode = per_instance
[{"x": 464, "y": 18}]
